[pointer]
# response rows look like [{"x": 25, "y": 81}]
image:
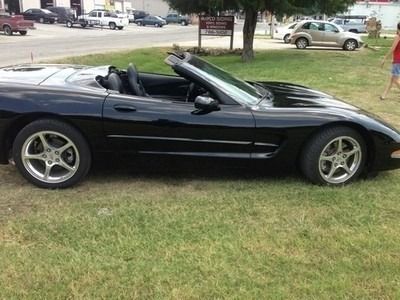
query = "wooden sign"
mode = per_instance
[{"x": 216, "y": 26}]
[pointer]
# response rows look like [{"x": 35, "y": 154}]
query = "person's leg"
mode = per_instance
[{"x": 393, "y": 80}]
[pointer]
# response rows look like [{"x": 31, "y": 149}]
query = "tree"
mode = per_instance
[{"x": 251, "y": 9}]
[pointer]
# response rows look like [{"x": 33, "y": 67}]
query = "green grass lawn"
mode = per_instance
[{"x": 169, "y": 234}]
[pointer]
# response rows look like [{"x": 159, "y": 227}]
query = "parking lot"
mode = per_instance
[{"x": 57, "y": 41}]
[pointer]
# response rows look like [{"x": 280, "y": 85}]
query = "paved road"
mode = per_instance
[{"x": 55, "y": 41}]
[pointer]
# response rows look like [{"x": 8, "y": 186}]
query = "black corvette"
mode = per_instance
[{"x": 54, "y": 118}]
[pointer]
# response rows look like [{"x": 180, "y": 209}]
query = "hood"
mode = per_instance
[{"x": 287, "y": 95}]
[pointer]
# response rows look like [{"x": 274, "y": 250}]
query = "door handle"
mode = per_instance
[{"x": 124, "y": 108}]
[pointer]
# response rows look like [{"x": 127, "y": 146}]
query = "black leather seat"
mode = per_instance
[{"x": 114, "y": 83}]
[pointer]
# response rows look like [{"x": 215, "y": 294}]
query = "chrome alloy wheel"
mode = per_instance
[
  {"x": 340, "y": 160},
  {"x": 351, "y": 45},
  {"x": 50, "y": 157}
]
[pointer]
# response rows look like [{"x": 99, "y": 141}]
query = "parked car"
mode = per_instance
[
  {"x": 106, "y": 18},
  {"x": 325, "y": 34},
  {"x": 14, "y": 23},
  {"x": 40, "y": 15},
  {"x": 356, "y": 24},
  {"x": 56, "y": 117},
  {"x": 152, "y": 21},
  {"x": 284, "y": 32},
  {"x": 139, "y": 14},
  {"x": 178, "y": 19},
  {"x": 63, "y": 13}
]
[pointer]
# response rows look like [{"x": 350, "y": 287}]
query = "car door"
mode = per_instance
[
  {"x": 332, "y": 35},
  {"x": 147, "y": 125}
]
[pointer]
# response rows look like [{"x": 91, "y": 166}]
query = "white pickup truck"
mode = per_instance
[{"x": 107, "y": 18}]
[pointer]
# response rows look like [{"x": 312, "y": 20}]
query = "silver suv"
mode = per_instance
[{"x": 326, "y": 34}]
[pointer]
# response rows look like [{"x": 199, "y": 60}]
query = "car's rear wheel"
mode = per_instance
[
  {"x": 183, "y": 23},
  {"x": 350, "y": 45},
  {"x": 7, "y": 30},
  {"x": 83, "y": 25},
  {"x": 286, "y": 39},
  {"x": 112, "y": 26},
  {"x": 335, "y": 156},
  {"x": 69, "y": 24},
  {"x": 23, "y": 32},
  {"x": 301, "y": 43},
  {"x": 41, "y": 20},
  {"x": 51, "y": 154},
  {"x": 120, "y": 27}
]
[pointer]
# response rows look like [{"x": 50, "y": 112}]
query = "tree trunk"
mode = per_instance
[{"x": 249, "y": 28}]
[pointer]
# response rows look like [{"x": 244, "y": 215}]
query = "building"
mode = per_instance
[
  {"x": 154, "y": 7},
  {"x": 81, "y": 6},
  {"x": 388, "y": 12}
]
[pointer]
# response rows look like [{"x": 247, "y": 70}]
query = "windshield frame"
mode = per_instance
[{"x": 240, "y": 91}]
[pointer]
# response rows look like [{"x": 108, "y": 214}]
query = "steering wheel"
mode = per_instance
[{"x": 133, "y": 80}]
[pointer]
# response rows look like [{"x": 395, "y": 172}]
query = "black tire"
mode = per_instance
[
  {"x": 51, "y": 22},
  {"x": 23, "y": 32},
  {"x": 41, "y": 20},
  {"x": 320, "y": 157},
  {"x": 157, "y": 25},
  {"x": 83, "y": 25},
  {"x": 69, "y": 24},
  {"x": 120, "y": 27},
  {"x": 7, "y": 30},
  {"x": 112, "y": 26},
  {"x": 302, "y": 43},
  {"x": 53, "y": 129},
  {"x": 350, "y": 45},
  {"x": 184, "y": 23},
  {"x": 139, "y": 23},
  {"x": 286, "y": 39}
]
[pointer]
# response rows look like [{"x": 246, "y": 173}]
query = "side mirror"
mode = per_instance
[{"x": 206, "y": 104}]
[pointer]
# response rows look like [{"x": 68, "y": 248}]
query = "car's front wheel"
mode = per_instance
[
  {"x": 120, "y": 27},
  {"x": 23, "y": 32},
  {"x": 301, "y": 43},
  {"x": 112, "y": 26},
  {"x": 334, "y": 156},
  {"x": 139, "y": 23},
  {"x": 350, "y": 45},
  {"x": 51, "y": 154},
  {"x": 69, "y": 24}
]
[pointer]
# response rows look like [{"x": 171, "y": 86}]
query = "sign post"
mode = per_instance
[{"x": 217, "y": 26}]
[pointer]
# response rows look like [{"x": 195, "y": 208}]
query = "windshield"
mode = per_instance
[{"x": 239, "y": 90}]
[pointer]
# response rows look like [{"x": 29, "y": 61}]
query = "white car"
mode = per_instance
[
  {"x": 107, "y": 18},
  {"x": 284, "y": 32}
]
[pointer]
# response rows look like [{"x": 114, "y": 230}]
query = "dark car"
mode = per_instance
[
  {"x": 139, "y": 14},
  {"x": 63, "y": 13},
  {"x": 14, "y": 23},
  {"x": 40, "y": 15},
  {"x": 54, "y": 118},
  {"x": 152, "y": 21},
  {"x": 178, "y": 19}
]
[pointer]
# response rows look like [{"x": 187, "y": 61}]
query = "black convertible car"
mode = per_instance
[{"x": 53, "y": 118}]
